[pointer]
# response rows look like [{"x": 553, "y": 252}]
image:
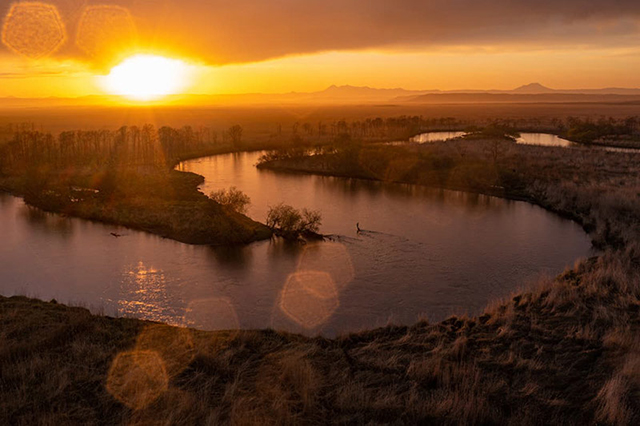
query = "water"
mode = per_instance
[
  {"x": 436, "y": 136},
  {"x": 424, "y": 253},
  {"x": 540, "y": 139},
  {"x": 544, "y": 139}
]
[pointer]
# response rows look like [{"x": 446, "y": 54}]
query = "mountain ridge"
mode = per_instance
[{"x": 534, "y": 92}]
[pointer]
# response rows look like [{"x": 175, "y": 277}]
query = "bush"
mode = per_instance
[
  {"x": 232, "y": 198},
  {"x": 288, "y": 221}
]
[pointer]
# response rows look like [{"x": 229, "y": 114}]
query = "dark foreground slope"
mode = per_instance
[{"x": 567, "y": 352}]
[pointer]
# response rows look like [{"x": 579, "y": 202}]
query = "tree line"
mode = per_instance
[
  {"x": 26, "y": 146},
  {"x": 129, "y": 146}
]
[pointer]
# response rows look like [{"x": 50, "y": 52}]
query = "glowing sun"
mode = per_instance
[{"x": 147, "y": 77}]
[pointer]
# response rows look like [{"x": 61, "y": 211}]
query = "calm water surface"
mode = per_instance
[
  {"x": 540, "y": 139},
  {"x": 544, "y": 139},
  {"x": 423, "y": 253},
  {"x": 436, "y": 136}
]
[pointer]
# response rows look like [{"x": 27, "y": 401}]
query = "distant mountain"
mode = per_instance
[
  {"x": 606, "y": 91},
  {"x": 529, "y": 93},
  {"x": 533, "y": 88},
  {"x": 363, "y": 92},
  {"x": 521, "y": 98},
  {"x": 344, "y": 95},
  {"x": 537, "y": 89}
]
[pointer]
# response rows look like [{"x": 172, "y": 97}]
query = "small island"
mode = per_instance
[{"x": 123, "y": 178}]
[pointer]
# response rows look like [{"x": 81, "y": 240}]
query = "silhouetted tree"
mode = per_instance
[
  {"x": 235, "y": 134},
  {"x": 232, "y": 198},
  {"x": 291, "y": 223}
]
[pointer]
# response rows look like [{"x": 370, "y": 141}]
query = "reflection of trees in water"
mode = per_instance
[
  {"x": 143, "y": 294},
  {"x": 6, "y": 199},
  {"x": 280, "y": 248},
  {"x": 402, "y": 191},
  {"x": 235, "y": 256},
  {"x": 49, "y": 222}
]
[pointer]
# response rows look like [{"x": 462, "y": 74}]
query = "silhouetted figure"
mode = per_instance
[
  {"x": 116, "y": 235},
  {"x": 358, "y": 227}
]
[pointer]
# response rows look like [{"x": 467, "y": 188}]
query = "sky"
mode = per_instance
[{"x": 62, "y": 47}]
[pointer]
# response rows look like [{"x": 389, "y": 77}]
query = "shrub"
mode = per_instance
[
  {"x": 288, "y": 221},
  {"x": 232, "y": 198}
]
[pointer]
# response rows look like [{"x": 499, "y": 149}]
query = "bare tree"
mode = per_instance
[
  {"x": 235, "y": 134},
  {"x": 232, "y": 198},
  {"x": 290, "y": 222}
]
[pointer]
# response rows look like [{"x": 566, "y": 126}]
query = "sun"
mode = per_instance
[{"x": 147, "y": 78}]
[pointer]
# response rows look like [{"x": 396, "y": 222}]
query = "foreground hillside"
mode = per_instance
[{"x": 566, "y": 352}]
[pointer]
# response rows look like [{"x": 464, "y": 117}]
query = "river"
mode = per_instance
[{"x": 423, "y": 253}]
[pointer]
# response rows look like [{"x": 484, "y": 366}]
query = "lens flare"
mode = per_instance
[
  {"x": 174, "y": 345},
  {"x": 33, "y": 29},
  {"x": 309, "y": 298},
  {"x": 137, "y": 378},
  {"x": 105, "y": 31},
  {"x": 147, "y": 77}
]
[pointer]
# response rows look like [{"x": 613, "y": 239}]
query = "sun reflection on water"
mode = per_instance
[{"x": 144, "y": 295}]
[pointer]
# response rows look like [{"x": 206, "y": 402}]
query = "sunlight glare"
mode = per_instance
[{"x": 147, "y": 77}]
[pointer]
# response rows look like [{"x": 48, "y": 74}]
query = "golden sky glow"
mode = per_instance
[
  {"x": 67, "y": 48},
  {"x": 446, "y": 71}
]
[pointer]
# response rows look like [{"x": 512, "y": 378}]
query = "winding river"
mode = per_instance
[{"x": 423, "y": 253}]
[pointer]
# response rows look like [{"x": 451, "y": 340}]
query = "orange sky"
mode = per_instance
[{"x": 60, "y": 47}]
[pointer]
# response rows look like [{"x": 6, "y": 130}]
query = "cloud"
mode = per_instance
[{"x": 224, "y": 31}]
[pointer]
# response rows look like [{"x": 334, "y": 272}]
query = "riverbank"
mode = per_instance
[{"x": 566, "y": 352}]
